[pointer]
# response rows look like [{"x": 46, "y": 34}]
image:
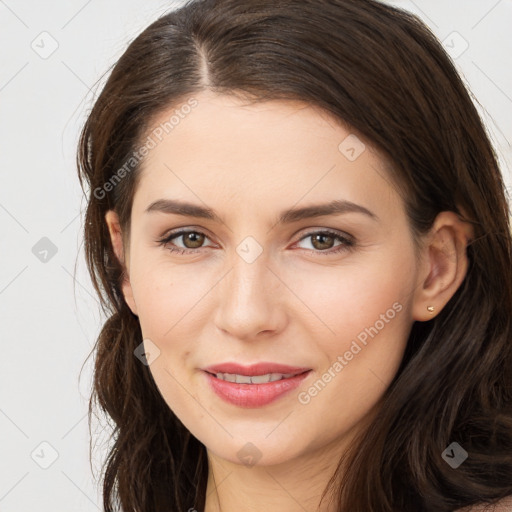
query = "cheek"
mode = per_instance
[
  {"x": 166, "y": 297},
  {"x": 171, "y": 315},
  {"x": 341, "y": 302},
  {"x": 366, "y": 308}
]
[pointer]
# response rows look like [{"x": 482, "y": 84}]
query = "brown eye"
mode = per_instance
[
  {"x": 322, "y": 241},
  {"x": 187, "y": 241},
  {"x": 328, "y": 242},
  {"x": 193, "y": 239}
]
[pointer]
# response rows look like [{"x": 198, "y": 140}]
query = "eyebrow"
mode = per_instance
[{"x": 335, "y": 207}]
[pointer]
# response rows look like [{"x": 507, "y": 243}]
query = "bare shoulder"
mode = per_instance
[{"x": 504, "y": 505}]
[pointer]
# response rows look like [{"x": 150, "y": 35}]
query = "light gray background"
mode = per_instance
[{"x": 46, "y": 329}]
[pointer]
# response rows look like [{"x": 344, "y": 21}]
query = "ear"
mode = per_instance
[
  {"x": 444, "y": 264},
  {"x": 116, "y": 238}
]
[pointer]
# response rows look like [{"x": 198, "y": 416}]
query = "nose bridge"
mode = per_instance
[
  {"x": 248, "y": 300},
  {"x": 247, "y": 283}
]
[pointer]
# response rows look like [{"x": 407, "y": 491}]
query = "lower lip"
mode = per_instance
[{"x": 254, "y": 395}]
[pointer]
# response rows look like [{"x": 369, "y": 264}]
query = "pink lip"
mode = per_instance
[
  {"x": 254, "y": 395},
  {"x": 254, "y": 369}
]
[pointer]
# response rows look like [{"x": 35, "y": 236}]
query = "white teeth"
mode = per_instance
[
  {"x": 268, "y": 377},
  {"x": 239, "y": 379},
  {"x": 253, "y": 379}
]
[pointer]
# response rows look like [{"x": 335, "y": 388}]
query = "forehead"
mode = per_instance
[{"x": 273, "y": 152}]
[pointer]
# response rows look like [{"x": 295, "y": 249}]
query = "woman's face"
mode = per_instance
[{"x": 252, "y": 285}]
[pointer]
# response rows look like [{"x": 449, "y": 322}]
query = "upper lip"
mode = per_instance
[{"x": 254, "y": 369}]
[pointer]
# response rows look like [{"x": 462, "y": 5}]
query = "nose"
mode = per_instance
[{"x": 250, "y": 300}]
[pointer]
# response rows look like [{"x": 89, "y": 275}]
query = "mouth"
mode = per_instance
[
  {"x": 255, "y": 370},
  {"x": 250, "y": 391},
  {"x": 254, "y": 379}
]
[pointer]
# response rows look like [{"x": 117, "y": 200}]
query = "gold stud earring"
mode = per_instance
[{"x": 430, "y": 309}]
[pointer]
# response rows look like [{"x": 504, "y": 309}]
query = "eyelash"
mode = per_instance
[{"x": 347, "y": 245}]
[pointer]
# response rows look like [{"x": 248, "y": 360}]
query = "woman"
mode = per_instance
[{"x": 299, "y": 231}]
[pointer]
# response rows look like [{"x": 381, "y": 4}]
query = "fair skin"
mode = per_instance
[{"x": 294, "y": 304}]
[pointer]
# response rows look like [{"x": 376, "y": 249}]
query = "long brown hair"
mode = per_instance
[{"x": 381, "y": 71}]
